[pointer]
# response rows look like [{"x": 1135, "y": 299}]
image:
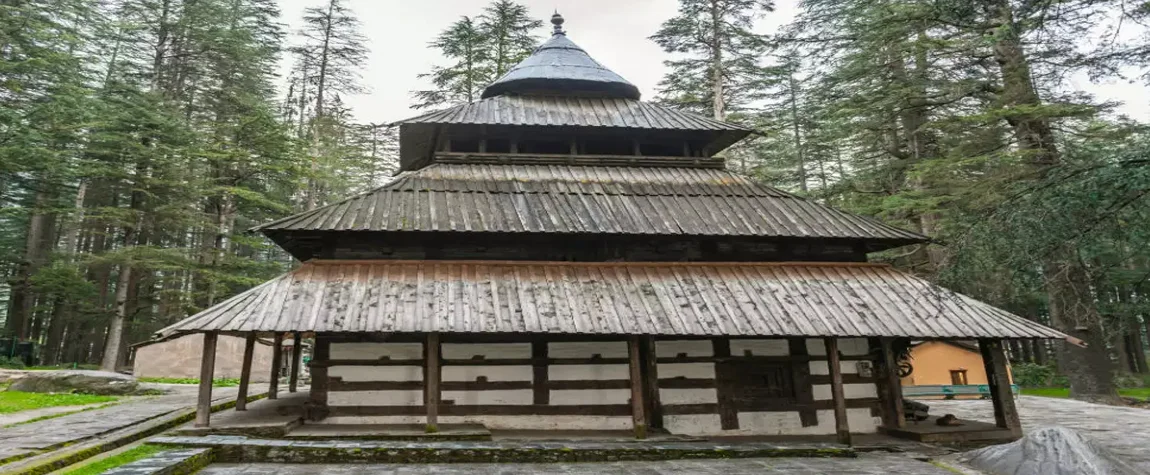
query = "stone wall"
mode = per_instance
[{"x": 180, "y": 358}]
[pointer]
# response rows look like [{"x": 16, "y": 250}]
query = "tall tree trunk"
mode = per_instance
[
  {"x": 717, "y": 102},
  {"x": 801, "y": 166},
  {"x": 116, "y": 326},
  {"x": 22, "y": 301},
  {"x": 1072, "y": 303}
]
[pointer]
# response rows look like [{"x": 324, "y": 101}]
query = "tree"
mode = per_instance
[
  {"x": 463, "y": 81},
  {"x": 722, "y": 54},
  {"x": 481, "y": 52}
]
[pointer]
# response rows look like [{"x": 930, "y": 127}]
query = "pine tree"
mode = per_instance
[
  {"x": 480, "y": 51},
  {"x": 722, "y": 53}
]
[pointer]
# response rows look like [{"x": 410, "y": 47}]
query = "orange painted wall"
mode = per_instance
[{"x": 933, "y": 361}]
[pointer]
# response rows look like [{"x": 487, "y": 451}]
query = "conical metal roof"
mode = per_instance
[{"x": 560, "y": 66}]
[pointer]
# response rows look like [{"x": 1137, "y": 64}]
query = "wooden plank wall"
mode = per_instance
[{"x": 586, "y": 385}]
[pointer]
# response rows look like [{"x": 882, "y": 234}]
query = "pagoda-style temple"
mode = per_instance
[{"x": 560, "y": 255}]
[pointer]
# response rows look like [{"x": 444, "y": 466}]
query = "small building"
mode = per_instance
[
  {"x": 561, "y": 255},
  {"x": 180, "y": 358},
  {"x": 947, "y": 363}
]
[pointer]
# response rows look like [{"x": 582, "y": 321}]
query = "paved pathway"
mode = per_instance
[
  {"x": 1124, "y": 430},
  {"x": 24, "y": 416},
  {"x": 866, "y": 464},
  {"x": 35, "y": 437}
]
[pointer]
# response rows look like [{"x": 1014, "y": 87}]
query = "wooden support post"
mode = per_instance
[
  {"x": 889, "y": 374},
  {"x": 246, "y": 372},
  {"x": 638, "y": 420},
  {"x": 317, "y": 397},
  {"x": 432, "y": 362},
  {"x": 207, "y": 372},
  {"x": 994, "y": 360},
  {"x": 277, "y": 361},
  {"x": 842, "y": 428},
  {"x": 296, "y": 355},
  {"x": 651, "y": 384}
]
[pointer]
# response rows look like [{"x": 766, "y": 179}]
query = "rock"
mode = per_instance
[
  {"x": 76, "y": 381},
  {"x": 914, "y": 410},
  {"x": 11, "y": 375},
  {"x": 1049, "y": 451}
]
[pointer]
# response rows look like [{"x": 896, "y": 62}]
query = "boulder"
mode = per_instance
[
  {"x": 76, "y": 381},
  {"x": 11, "y": 375},
  {"x": 1049, "y": 451}
]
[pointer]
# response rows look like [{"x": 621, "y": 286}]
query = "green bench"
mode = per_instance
[{"x": 949, "y": 391}]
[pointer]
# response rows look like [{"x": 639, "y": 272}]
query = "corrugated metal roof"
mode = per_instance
[
  {"x": 699, "y": 299},
  {"x": 573, "y": 112},
  {"x": 582, "y": 199},
  {"x": 561, "y": 65}
]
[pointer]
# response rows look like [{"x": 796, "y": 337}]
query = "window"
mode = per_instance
[
  {"x": 958, "y": 377},
  {"x": 545, "y": 147},
  {"x": 607, "y": 146}
]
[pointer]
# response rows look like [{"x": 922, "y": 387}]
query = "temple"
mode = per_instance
[{"x": 560, "y": 255}]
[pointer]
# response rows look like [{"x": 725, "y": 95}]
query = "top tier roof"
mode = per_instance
[{"x": 561, "y": 65}]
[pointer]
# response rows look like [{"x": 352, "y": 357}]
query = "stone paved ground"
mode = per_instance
[
  {"x": 38, "y": 436},
  {"x": 1124, "y": 430},
  {"x": 866, "y": 464}
]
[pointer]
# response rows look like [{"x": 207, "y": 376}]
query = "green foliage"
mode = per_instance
[
  {"x": 1032, "y": 375},
  {"x": 1062, "y": 392},
  {"x": 16, "y": 401},
  {"x": 481, "y": 49},
  {"x": 218, "y": 382},
  {"x": 123, "y": 458},
  {"x": 11, "y": 363}
]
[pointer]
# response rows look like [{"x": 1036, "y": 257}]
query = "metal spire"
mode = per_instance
[{"x": 557, "y": 20}]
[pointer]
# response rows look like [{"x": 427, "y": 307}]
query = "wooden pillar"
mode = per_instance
[
  {"x": 432, "y": 362},
  {"x": 277, "y": 361},
  {"x": 296, "y": 354},
  {"x": 246, "y": 372},
  {"x": 994, "y": 360},
  {"x": 894, "y": 412},
  {"x": 842, "y": 428},
  {"x": 638, "y": 419},
  {"x": 317, "y": 397},
  {"x": 654, "y": 412},
  {"x": 207, "y": 371}
]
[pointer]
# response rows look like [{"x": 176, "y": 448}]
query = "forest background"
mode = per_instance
[{"x": 140, "y": 138}]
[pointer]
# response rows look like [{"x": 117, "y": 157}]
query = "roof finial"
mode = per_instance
[{"x": 557, "y": 20}]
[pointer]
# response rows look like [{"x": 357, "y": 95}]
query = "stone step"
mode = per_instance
[
  {"x": 411, "y": 432},
  {"x": 236, "y": 449}
]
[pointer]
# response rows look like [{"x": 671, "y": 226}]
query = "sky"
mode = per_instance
[{"x": 614, "y": 32}]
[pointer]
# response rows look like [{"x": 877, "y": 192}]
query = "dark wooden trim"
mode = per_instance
[
  {"x": 246, "y": 372},
  {"x": 338, "y": 384},
  {"x": 651, "y": 383},
  {"x": 842, "y": 428},
  {"x": 848, "y": 378},
  {"x": 892, "y": 385},
  {"x": 804, "y": 390},
  {"x": 623, "y": 410},
  {"x": 638, "y": 407},
  {"x": 539, "y": 372},
  {"x": 277, "y": 361},
  {"x": 821, "y": 405},
  {"x": 728, "y": 414},
  {"x": 475, "y": 362},
  {"x": 432, "y": 379},
  {"x": 686, "y": 383},
  {"x": 994, "y": 360},
  {"x": 721, "y": 359},
  {"x": 320, "y": 382},
  {"x": 207, "y": 373},
  {"x": 296, "y": 356}
]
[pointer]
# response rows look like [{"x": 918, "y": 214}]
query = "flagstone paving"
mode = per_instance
[
  {"x": 865, "y": 464},
  {"x": 36, "y": 437},
  {"x": 1124, "y": 430}
]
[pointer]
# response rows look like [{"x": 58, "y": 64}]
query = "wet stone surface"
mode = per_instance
[
  {"x": 164, "y": 462},
  {"x": 1123, "y": 430},
  {"x": 865, "y": 464}
]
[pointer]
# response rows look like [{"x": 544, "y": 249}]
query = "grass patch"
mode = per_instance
[
  {"x": 61, "y": 414},
  {"x": 122, "y": 458},
  {"x": 218, "y": 382},
  {"x": 16, "y": 401},
  {"x": 61, "y": 366},
  {"x": 1141, "y": 393}
]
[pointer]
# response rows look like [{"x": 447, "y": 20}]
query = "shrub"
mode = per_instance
[
  {"x": 1127, "y": 380},
  {"x": 11, "y": 363},
  {"x": 1032, "y": 375}
]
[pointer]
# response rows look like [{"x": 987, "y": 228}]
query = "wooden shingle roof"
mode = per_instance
[
  {"x": 670, "y": 299},
  {"x": 616, "y": 200}
]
